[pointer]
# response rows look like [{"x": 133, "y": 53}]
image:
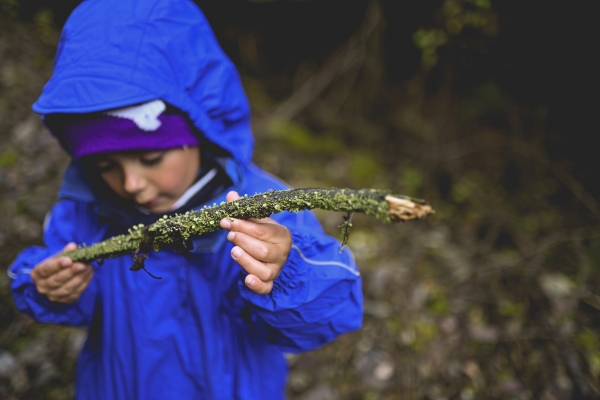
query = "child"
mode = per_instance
[{"x": 155, "y": 119}]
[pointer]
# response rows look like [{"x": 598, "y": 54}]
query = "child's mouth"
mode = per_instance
[{"x": 151, "y": 204}]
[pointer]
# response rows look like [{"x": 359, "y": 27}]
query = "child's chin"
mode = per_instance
[
  {"x": 158, "y": 210},
  {"x": 155, "y": 206}
]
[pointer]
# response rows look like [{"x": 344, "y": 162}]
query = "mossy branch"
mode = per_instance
[{"x": 179, "y": 229}]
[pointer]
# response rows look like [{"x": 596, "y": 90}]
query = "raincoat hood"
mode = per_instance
[{"x": 146, "y": 50}]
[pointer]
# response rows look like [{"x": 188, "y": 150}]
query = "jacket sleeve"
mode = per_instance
[
  {"x": 60, "y": 229},
  {"x": 316, "y": 297}
]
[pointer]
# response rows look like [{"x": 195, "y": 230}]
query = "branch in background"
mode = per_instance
[
  {"x": 352, "y": 53},
  {"x": 492, "y": 140},
  {"x": 180, "y": 229},
  {"x": 585, "y": 390}
]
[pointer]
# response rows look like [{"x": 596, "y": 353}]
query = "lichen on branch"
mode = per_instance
[{"x": 178, "y": 230}]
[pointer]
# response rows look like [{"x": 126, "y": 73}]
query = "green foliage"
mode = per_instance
[
  {"x": 371, "y": 395},
  {"x": 509, "y": 308},
  {"x": 588, "y": 340},
  {"x": 411, "y": 180},
  {"x": 364, "y": 168},
  {"x": 8, "y": 158},
  {"x": 439, "y": 304},
  {"x": 485, "y": 100},
  {"x": 258, "y": 97},
  {"x": 299, "y": 138},
  {"x": 9, "y": 8},
  {"x": 457, "y": 15},
  {"x": 44, "y": 22},
  {"x": 429, "y": 40},
  {"x": 470, "y": 13},
  {"x": 425, "y": 331},
  {"x": 593, "y": 358}
]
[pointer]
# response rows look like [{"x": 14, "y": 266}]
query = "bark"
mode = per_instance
[{"x": 178, "y": 230}]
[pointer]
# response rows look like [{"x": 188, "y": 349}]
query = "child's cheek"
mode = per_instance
[{"x": 175, "y": 184}]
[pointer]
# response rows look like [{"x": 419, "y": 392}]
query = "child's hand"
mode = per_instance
[
  {"x": 262, "y": 247},
  {"x": 60, "y": 279}
]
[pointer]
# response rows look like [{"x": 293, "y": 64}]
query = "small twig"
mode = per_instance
[
  {"x": 148, "y": 272},
  {"x": 346, "y": 230}
]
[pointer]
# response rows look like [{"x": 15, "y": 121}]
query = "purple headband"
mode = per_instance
[{"x": 142, "y": 127}]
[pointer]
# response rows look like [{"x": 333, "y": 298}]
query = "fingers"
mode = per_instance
[
  {"x": 264, "y": 241},
  {"x": 72, "y": 287},
  {"x": 260, "y": 275},
  {"x": 263, "y": 271},
  {"x": 71, "y": 290},
  {"x": 266, "y": 229},
  {"x": 261, "y": 248},
  {"x": 258, "y": 286},
  {"x": 50, "y": 267},
  {"x": 53, "y": 264},
  {"x": 60, "y": 279}
]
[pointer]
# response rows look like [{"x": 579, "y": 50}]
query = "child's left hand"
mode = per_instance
[{"x": 262, "y": 247}]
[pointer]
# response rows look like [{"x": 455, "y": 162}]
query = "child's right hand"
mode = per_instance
[{"x": 60, "y": 279}]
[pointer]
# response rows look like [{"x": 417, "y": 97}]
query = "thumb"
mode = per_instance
[
  {"x": 231, "y": 196},
  {"x": 70, "y": 247},
  {"x": 65, "y": 260}
]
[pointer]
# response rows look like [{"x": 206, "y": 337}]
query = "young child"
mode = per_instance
[{"x": 156, "y": 121}]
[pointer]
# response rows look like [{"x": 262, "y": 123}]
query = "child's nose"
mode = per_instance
[{"x": 133, "y": 181}]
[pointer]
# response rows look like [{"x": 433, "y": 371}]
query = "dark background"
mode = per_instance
[
  {"x": 486, "y": 109},
  {"x": 542, "y": 54}
]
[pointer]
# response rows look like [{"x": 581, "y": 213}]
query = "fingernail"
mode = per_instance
[
  {"x": 236, "y": 253},
  {"x": 230, "y": 235},
  {"x": 250, "y": 281},
  {"x": 225, "y": 223},
  {"x": 65, "y": 262}
]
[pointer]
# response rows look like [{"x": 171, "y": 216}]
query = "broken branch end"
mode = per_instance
[{"x": 402, "y": 209}]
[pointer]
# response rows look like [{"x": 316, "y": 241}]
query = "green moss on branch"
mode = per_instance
[{"x": 178, "y": 230}]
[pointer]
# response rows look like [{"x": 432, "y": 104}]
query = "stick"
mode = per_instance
[{"x": 179, "y": 229}]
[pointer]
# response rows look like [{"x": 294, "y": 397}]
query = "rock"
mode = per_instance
[
  {"x": 46, "y": 373},
  {"x": 11, "y": 370},
  {"x": 35, "y": 352},
  {"x": 8, "y": 363},
  {"x": 556, "y": 285},
  {"x": 377, "y": 309},
  {"x": 299, "y": 381},
  {"x": 485, "y": 334},
  {"x": 25, "y": 132},
  {"x": 76, "y": 341},
  {"x": 321, "y": 392},
  {"x": 376, "y": 368}
]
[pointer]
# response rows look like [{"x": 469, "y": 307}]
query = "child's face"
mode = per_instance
[{"x": 155, "y": 179}]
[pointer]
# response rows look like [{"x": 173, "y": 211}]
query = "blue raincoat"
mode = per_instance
[{"x": 198, "y": 333}]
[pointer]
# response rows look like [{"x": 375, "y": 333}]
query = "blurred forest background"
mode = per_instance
[{"x": 486, "y": 108}]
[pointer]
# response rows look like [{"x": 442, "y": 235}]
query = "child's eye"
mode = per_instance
[
  {"x": 104, "y": 165},
  {"x": 152, "y": 158}
]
